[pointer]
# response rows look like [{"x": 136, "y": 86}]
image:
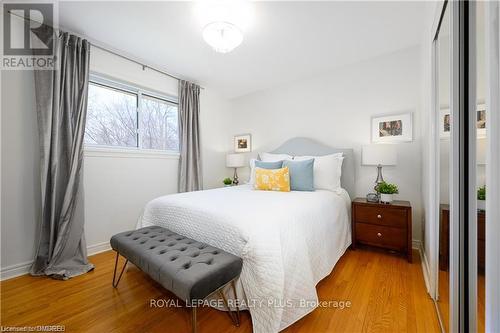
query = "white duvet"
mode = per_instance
[{"x": 289, "y": 241}]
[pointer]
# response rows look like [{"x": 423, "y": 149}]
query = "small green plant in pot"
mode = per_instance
[
  {"x": 387, "y": 191},
  {"x": 481, "y": 198},
  {"x": 227, "y": 182}
]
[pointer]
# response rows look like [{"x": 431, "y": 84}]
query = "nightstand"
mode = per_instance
[
  {"x": 386, "y": 226},
  {"x": 444, "y": 238}
]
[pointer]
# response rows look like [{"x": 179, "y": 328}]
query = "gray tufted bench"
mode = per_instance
[{"x": 189, "y": 269}]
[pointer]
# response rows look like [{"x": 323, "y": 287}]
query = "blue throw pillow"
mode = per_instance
[
  {"x": 269, "y": 165},
  {"x": 301, "y": 174}
]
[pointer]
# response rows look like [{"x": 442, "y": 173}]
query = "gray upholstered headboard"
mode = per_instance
[{"x": 305, "y": 146}]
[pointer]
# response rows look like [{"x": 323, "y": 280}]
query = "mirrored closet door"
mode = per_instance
[
  {"x": 455, "y": 170},
  {"x": 467, "y": 118},
  {"x": 480, "y": 156},
  {"x": 442, "y": 47}
]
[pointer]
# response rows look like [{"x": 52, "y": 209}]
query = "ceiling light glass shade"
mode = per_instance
[{"x": 222, "y": 36}]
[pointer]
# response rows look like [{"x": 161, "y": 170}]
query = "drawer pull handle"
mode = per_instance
[
  {"x": 379, "y": 234},
  {"x": 379, "y": 216}
]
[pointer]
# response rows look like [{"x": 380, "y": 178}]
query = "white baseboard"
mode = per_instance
[
  {"x": 98, "y": 248},
  {"x": 13, "y": 271},
  {"x": 418, "y": 245},
  {"x": 16, "y": 270}
]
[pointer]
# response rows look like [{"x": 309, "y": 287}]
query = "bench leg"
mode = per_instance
[
  {"x": 193, "y": 319},
  {"x": 229, "y": 312},
  {"x": 115, "y": 284},
  {"x": 237, "y": 307}
]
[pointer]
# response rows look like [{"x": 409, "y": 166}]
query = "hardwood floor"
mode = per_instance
[
  {"x": 387, "y": 295},
  {"x": 481, "y": 305},
  {"x": 443, "y": 302},
  {"x": 444, "y": 295}
]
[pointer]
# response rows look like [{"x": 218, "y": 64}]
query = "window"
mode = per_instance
[
  {"x": 159, "y": 124},
  {"x": 111, "y": 117},
  {"x": 128, "y": 117}
]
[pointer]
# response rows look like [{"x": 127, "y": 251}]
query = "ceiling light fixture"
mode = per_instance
[
  {"x": 222, "y": 36},
  {"x": 223, "y": 22}
]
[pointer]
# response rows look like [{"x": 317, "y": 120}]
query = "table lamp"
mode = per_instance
[
  {"x": 235, "y": 161},
  {"x": 481, "y": 152},
  {"x": 379, "y": 155}
]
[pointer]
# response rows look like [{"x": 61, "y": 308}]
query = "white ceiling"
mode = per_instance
[{"x": 286, "y": 41}]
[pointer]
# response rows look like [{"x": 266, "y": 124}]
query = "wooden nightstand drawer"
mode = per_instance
[
  {"x": 377, "y": 235},
  {"x": 481, "y": 231},
  {"x": 392, "y": 217},
  {"x": 481, "y": 258},
  {"x": 381, "y": 225},
  {"x": 444, "y": 237}
]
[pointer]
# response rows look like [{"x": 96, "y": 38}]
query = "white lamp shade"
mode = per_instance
[
  {"x": 383, "y": 154},
  {"x": 235, "y": 160},
  {"x": 481, "y": 152}
]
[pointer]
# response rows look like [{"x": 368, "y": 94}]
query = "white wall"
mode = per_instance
[
  {"x": 117, "y": 184},
  {"x": 20, "y": 170},
  {"x": 215, "y": 123},
  {"x": 115, "y": 67},
  {"x": 336, "y": 109}
]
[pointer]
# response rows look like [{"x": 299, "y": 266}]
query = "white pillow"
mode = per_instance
[
  {"x": 327, "y": 171},
  {"x": 269, "y": 157},
  {"x": 266, "y": 157},
  {"x": 251, "y": 180}
]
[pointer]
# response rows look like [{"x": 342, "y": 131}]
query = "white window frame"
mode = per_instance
[{"x": 122, "y": 151}]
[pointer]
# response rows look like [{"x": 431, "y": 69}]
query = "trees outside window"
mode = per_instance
[{"x": 120, "y": 118}]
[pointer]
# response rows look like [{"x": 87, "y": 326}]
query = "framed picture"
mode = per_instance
[
  {"x": 394, "y": 128},
  {"x": 445, "y": 122},
  {"x": 481, "y": 120},
  {"x": 242, "y": 143}
]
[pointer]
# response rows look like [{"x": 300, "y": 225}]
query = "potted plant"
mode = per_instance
[
  {"x": 227, "y": 182},
  {"x": 387, "y": 191},
  {"x": 481, "y": 198}
]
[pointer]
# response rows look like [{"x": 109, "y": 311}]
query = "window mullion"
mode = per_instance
[{"x": 139, "y": 120}]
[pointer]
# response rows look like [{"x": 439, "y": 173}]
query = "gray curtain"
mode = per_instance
[
  {"x": 190, "y": 176},
  {"x": 61, "y": 105}
]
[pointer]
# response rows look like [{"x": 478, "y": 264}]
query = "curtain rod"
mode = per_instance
[{"x": 144, "y": 66}]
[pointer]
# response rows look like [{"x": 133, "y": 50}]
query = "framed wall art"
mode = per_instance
[
  {"x": 392, "y": 128},
  {"x": 242, "y": 143}
]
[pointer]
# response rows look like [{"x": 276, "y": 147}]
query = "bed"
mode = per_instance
[{"x": 289, "y": 241}]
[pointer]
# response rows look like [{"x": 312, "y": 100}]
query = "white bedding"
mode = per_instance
[{"x": 289, "y": 241}]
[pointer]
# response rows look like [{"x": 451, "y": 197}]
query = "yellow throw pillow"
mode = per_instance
[{"x": 272, "y": 179}]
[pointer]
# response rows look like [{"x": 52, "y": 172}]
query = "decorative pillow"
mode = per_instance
[
  {"x": 272, "y": 179},
  {"x": 269, "y": 157},
  {"x": 261, "y": 164},
  {"x": 327, "y": 171},
  {"x": 301, "y": 174},
  {"x": 269, "y": 165}
]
